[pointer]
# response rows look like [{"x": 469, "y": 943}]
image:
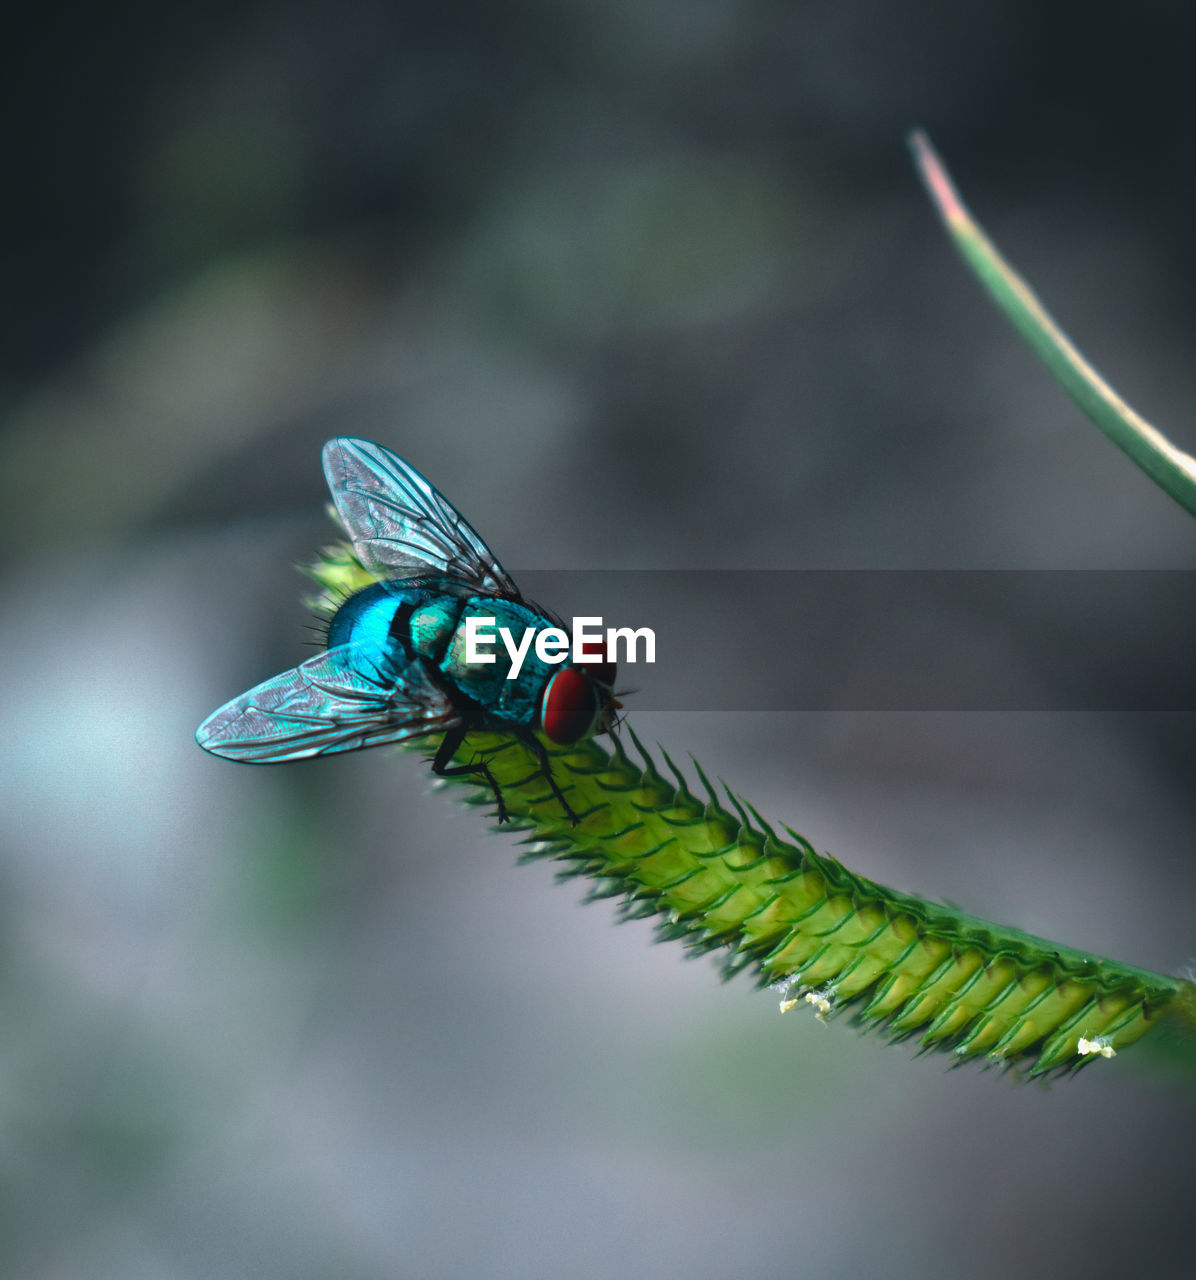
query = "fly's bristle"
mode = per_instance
[{"x": 317, "y": 633}]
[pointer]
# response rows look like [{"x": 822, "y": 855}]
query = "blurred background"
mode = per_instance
[{"x": 638, "y": 285}]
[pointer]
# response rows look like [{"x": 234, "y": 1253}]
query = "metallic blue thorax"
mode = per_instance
[{"x": 391, "y": 623}]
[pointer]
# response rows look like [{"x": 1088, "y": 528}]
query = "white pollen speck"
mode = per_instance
[
  {"x": 785, "y": 989},
  {"x": 1098, "y": 1044},
  {"x": 822, "y": 1000}
]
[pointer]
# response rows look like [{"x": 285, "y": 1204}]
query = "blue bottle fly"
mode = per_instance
[{"x": 396, "y": 663}]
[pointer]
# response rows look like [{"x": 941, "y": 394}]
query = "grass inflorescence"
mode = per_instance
[{"x": 718, "y": 878}]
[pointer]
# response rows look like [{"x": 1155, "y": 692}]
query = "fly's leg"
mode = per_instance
[
  {"x": 537, "y": 749},
  {"x": 442, "y": 769}
]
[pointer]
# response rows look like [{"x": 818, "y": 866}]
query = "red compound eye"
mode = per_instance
[{"x": 570, "y": 706}]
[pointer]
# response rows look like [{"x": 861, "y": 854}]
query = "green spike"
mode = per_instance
[
  {"x": 761, "y": 825},
  {"x": 802, "y": 842},
  {"x": 711, "y": 796},
  {"x": 737, "y": 806},
  {"x": 721, "y": 878},
  {"x": 682, "y": 785},
  {"x": 645, "y": 756}
]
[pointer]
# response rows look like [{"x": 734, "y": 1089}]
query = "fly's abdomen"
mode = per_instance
[
  {"x": 364, "y": 619},
  {"x": 414, "y": 621},
  {"x": 432, "y": 626}
]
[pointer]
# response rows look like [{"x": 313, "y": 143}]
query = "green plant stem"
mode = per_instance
[
  {"x": 717, "y": 877},
  {"x": 1170, "y": 468}
]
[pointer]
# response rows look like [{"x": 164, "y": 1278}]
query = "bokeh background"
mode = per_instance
[{"x": 639, "y": 285}]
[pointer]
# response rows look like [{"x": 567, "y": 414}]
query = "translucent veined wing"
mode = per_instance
[
  {"x": 400, "y": 525},
  {"x": 336, "y": 701}
]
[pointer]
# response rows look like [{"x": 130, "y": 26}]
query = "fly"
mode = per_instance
[{"x": 395, "y": 667}]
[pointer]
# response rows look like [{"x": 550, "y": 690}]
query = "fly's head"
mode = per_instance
[{"x": 579, "y": 702}]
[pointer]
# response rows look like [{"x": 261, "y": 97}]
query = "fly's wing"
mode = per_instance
[
  {"x": 335, "y": 701},
  {"x": 401, "y": 526}
]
